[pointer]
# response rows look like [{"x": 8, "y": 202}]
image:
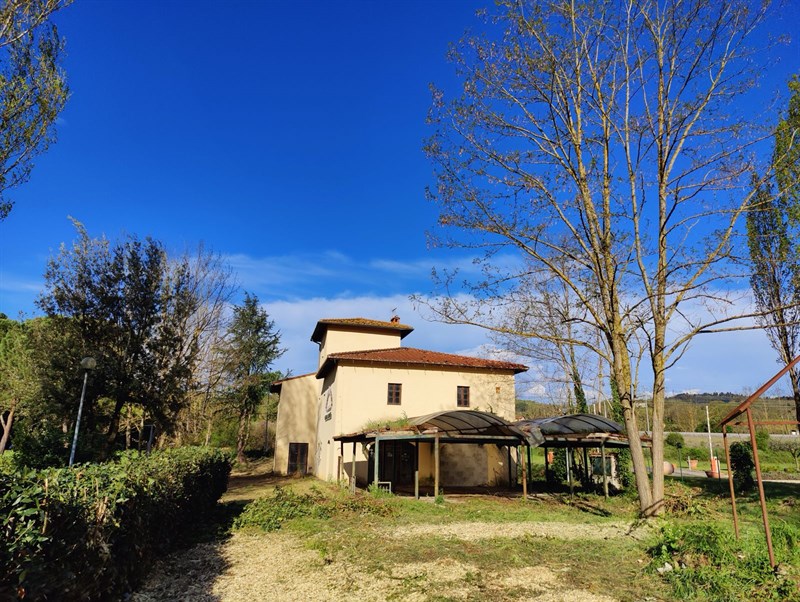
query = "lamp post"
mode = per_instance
[{"x": 87, "y": 363}]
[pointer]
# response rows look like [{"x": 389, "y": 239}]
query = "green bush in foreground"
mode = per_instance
[
  {"x": 92, "y": 531},
  {"x": 270, "y": 513},
  {"x": 706, "y": 562},
  {"x": 743, "y": 466}
]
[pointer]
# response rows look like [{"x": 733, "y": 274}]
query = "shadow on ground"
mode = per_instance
[{"x": 190, "y": 572}]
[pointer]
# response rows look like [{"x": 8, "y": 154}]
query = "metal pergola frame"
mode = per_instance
[
  {"x": 745, "y": 408},
  {"x": 581, "y": 431},
  {"x": 454, "y": 426}
]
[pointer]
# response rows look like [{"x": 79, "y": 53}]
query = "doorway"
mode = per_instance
[
  {"x": 298, "y": 458},
  {"x": 396, "y": 463}
]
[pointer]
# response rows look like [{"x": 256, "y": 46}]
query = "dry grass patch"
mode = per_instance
[
  {"x": 281, "y": 567},
  {"x": 471, "y": 531}
]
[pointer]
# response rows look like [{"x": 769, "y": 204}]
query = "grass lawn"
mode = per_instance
[{"x": 553, "y": 546}]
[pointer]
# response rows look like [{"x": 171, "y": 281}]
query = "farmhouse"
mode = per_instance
[{"x": 457, "y": 409}]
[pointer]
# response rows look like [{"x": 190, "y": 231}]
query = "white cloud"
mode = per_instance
[
  {"x": 296, "y": 320},
  {"x": 330, "y": 274},
  {"x": 12, "y": 284},
  {"x": 735, "y": 361}
]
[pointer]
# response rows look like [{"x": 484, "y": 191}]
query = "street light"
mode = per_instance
[{"x": 87, "y": 363}]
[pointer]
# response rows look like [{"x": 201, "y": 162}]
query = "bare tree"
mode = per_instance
[
  {"x": 547, "y": 307},
  {"x": 602, "y": 136}
]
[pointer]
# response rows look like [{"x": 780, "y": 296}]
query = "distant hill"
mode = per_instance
[
  {"x": 706, "y": 398},
  {"x": 686, "y": 411},
  {"x": 531, "y": 410}
]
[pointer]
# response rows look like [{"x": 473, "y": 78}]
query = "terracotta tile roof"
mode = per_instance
[
  {"x": 276, "y": 386},
  {"x": 421, "y": 357},
  {"x": 361, "y": 323}
]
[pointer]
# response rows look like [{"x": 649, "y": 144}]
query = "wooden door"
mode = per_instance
[{"x": 298, "y": 458}]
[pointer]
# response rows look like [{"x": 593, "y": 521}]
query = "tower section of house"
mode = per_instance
[
  {"x": 367, "y": 378},
  {"x": 296, "y": 427}
]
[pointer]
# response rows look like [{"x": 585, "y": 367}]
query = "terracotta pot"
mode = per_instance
[
  {"x": 712, "y": 474},
  {"x": 693, "y": 464},
  {"x": 550, "y": 457},
  {"x": 669, "y": 468}
]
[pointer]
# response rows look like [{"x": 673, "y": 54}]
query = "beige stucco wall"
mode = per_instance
[
  {"x": 487, "y": 464},
  {"x": 297, "y": 418},
  {"x": 338, "y": 341},
  {"x": 362, "y": 393},
  {"x": 359, "y": 395},
  {"x": 324, "y": 452}
]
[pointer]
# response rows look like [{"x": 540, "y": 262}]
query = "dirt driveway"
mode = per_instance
[{"x": 281, "y": 566}]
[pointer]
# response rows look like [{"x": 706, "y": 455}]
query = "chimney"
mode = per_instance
[{"x": 395, "y": 319}]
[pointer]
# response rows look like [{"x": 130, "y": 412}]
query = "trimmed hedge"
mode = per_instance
[{"x": 93, "y": 531}]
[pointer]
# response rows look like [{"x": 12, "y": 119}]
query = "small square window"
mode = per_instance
[
  {"x": 393, "y": 396},
  {"x": 462, "y": 397}
]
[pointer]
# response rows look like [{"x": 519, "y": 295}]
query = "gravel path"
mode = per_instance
[
  {"x": 472, "y": 531},
  {"x": 279, "y": 567}
]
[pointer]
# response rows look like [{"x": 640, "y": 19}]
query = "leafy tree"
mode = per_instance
[
  {"x": 773, "y": 232},
  {"x": 675, "y": 440},
  {"x": 604, "y": 134},
  {"x": 252, "y": 344},
  {"x": 18, "y": 382},
  {"x": 33, "y": 88},
  {"x": 792, "y": 446},
  {"x": 139, "y": 314}
]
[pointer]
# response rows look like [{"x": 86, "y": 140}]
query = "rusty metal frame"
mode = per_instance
[{"x": 744, "y": 408}]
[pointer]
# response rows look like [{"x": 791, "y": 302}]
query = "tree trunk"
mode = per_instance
[
  {"x": 113, "y": 430},
  {"x": 242, "y": 435},
  {"x": 128, "y": 429},
  {"x": 657, "y": 432},
  {"x": 794, "y": 377},
  {"x": 141, "y": 431},
  {"x": 209, "y": 425},
  {"x": 622, "y": 376},
  {"x": 7, "y": 424}
]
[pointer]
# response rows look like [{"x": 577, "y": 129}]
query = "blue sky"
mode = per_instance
[{"x": 286, "y": 136}]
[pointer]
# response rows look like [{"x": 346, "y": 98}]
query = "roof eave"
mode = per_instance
[
  {"x": 330, "y": 362},
  {"x": 323, "y": 326}
]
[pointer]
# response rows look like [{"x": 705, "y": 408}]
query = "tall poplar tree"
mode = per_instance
[{"x": 773, "y": 231}]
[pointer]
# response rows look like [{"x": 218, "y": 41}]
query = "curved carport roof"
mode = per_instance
[
  {"x": 455, "y": 426},
  {"x": 577, "y": 430}
]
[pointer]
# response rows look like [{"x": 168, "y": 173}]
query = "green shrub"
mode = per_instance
[
  {"x": 696, "y": 453},
  {"x": 675, "y": 440},
  {"x": 92, "y": 531},
  {"x": 558, "y": 467},
  {"x": 708, "y": 563},
  {"x": 270, "y": 513},
  {"x": 7, "y": 461},
  {"x": 625, "y": 468},
  {"x": 762, "y": 440},
  {"x": 40, "y": 445},
  {"x": 743, "y": 466}
]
